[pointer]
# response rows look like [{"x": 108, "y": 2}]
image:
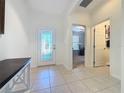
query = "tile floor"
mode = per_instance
[{"x": 57, "y": 79}]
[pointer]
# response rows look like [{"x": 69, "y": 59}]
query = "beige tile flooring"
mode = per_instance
[{"x": 57, "y": 79}]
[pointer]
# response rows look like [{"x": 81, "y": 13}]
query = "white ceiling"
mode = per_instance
[
  {"x": 61, "y": 7},
  {"x": 93, "y": 5},
  {"x": 51, "y": 6}
]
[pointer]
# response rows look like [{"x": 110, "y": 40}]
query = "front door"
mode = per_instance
[{"x": 47, "y": 47}]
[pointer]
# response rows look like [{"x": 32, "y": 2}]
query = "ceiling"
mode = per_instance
[
  {"x": 51, "y": 6},
  {"x": 61, "y": 7},
  {"x": 93, "y": 5}
]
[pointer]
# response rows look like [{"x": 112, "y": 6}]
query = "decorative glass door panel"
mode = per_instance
[{"x": 47, "y": 48}]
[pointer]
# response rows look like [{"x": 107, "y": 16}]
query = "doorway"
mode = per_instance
[
  {"x": 101, "y": 44},
  {"x": 78, "y": 42},
  {"x": 46, "y": 47}
]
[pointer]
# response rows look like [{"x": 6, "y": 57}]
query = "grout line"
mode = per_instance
[
  {"x": 39, "y": 90},
  {"x": 68, "y": 83},
  {"x": 49, "y": 80}
]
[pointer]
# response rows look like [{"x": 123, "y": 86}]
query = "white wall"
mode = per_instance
[
  {"x": 14, "y": 43},
  {"x": 122, "y": 65},
  {"x": 112, "y": 9},
  {"x": 2, "y": 51},
  {"x": 122, "y": 47},
  {"x": 39, "y": 20},
  {"x": 21, "y": 32},
  {"x": 82, "y": 19}
]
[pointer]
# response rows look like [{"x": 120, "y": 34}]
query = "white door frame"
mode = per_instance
[
  {"x": 46, "y": 29},
  {"x": 93, "y": 41}
]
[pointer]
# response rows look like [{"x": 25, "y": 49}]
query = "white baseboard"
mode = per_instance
[{"x": 115, "y": 76}]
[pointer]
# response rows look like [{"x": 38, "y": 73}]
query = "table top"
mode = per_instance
[{"x": 10, "y": 67}]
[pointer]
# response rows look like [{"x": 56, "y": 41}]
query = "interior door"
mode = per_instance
[
  {"x": 99, "y": 45},
  {"x": 47, "y": 47}
]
